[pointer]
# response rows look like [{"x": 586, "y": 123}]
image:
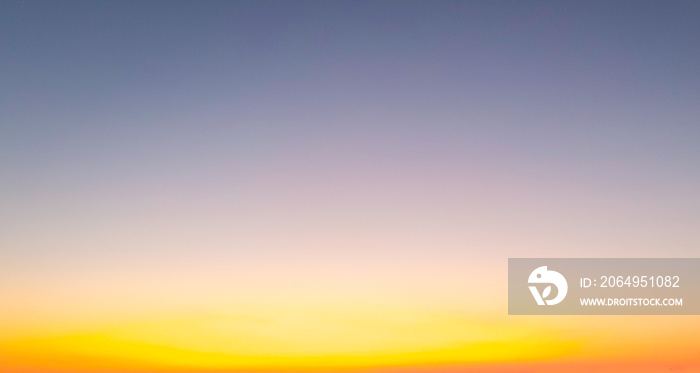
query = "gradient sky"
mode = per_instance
[{"x": 193, "y": 186}]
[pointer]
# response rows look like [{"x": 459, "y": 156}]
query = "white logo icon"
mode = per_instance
[{"x": 542, "y": 276}]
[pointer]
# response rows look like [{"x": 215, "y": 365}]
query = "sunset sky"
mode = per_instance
[{"x": 336, "y": 186}]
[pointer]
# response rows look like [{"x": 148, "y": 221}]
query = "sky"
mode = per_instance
[{"x": 295, "y": 186}]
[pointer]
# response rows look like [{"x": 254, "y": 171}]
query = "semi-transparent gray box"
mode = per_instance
[{"x": 603, "y": 286}]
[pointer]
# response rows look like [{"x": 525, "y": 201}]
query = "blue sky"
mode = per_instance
[{"x": 587, "y": 111}]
